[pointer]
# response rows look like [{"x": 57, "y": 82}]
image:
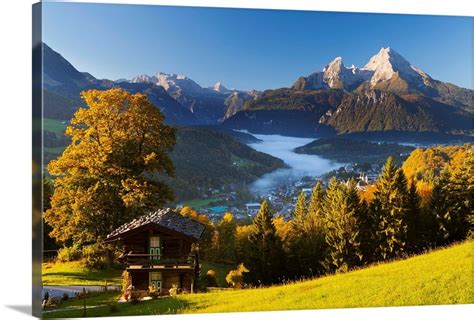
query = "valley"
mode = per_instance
[{"x": 237, "y": 147}]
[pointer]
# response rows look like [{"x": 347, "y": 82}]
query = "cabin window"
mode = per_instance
[
  {"x": 155, "y": 248},
  {"x": 154, "y": 242},
  {"x": 156, "y": 281}
]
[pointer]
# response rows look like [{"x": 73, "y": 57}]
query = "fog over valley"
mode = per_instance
[{"x": 300, "y": 164}]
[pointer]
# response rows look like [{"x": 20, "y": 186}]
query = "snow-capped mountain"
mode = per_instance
[
  {"x": 386, "y": 65},
  {"x": 336, "y": 75},
  {"x": 389, "y": 71},
  {"x": 219, "y": 87},
  {"x": 171, "y": 82},
  {"x": 389, "y": 66}
]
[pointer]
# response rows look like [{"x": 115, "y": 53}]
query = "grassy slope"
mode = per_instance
[
  {"x": 440, "y": 277},
  {"x": 74, "y": 273}
]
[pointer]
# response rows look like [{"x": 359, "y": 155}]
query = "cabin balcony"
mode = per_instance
[{"x": 158, "y": 261}]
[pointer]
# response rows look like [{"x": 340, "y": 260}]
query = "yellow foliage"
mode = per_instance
[
  {"x": 103, "y": 178},
  {"x": 425, "y": 164}
]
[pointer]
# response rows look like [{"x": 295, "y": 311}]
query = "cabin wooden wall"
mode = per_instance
[
  {"x": 173, "y": 246},
  {"x": 182, "y": 279}
]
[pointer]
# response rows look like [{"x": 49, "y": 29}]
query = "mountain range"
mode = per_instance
[{"x": 388, "y": 94}]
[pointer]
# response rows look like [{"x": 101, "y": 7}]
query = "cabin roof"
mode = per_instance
[{"x": 166, "y": 218}]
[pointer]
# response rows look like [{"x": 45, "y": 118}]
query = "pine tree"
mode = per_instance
[
  {"x": 460, "y": 199},
  {"x": 306, "y": 244},
  {"x": 299, "y": 213},
  {"x": 315, "y": 209},
  {"x": 438, "y": 210},
  {"x": 416, "y": 224},
  {"x": 266, "y": 254},
  {"x": 390, "y": 207},
  {"x": 342, "y": 235}
]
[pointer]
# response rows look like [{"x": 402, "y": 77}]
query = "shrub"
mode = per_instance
[
  {"x": 46, "y": 296},
  {"x": 52, "y": 302},
  {"x": 153, "y": 292},
  {"x": 235, "y": 278},
  {"x": 210, "y": 279},
  {"x": 66, "y": 254},
  {"x": 174, "y": 290},
  {"x": 95, "y": 256},
  {"x": 65, "y": 296}
]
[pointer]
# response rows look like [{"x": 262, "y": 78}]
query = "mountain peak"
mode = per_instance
[
  {"x": 386, "y": 63},
  {"x": 336, "y": 75},
  {"x": 219, "y": 87},
  {"x": 143, "y": 78}
]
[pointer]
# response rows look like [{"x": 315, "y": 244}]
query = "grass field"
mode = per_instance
[
  {"x": 197, "y": 204},
  {"x": 440, "y": 277},
  {"x": 56, "y": 126},
  {"x": 74, "y": 273}
]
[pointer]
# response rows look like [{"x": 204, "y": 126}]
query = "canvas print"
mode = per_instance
[{"x": 200, "y": 160}]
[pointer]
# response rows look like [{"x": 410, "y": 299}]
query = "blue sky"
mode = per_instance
[{"x": 249, "y": 49}]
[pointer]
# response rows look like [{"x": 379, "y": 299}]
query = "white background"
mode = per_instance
[{"x": 15, "y": 130}]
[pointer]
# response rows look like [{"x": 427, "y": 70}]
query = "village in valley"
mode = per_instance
[{"x": 283, "y": 196}]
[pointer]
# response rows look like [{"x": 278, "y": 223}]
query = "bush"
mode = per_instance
[
  {"x": 46, "y": 296},
  {"x": 235, "y": 278},
  {"x": 209, "y": 279},
  {"x": 52, "y": 303},
  {"x": 65, "y": 296},
  {"x": 67, "y": 254},
  {"x": 153, "y": 292},
  {"x": 174, "y": 290},
  {"x": 95, "y": 256}
]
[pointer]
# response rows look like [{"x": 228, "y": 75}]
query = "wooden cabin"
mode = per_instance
[{"x": 159, "y": 251}]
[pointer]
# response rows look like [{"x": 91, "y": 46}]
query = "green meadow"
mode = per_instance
[{"x": 443, "y": 276}]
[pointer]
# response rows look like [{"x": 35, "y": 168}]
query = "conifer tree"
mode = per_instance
[
  {"x": 416, "y": 225},
  {"x": 315, "y": 208},
  {"x": 306, "y": 244},
  {"x": 438, "y": 212},
  {"x": 342, "y": 235},
  {"x": 299, "y": 213},
  {"x": 266, "y": 254},
  {"x": 460, "y": 199},
  {"x": 390, "y": 207}
]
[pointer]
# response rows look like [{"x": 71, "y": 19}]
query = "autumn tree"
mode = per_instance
[
  {"x": 226, "y": 229},
  {"x": 206, "y": 247},
  {"x": 390, "y": 207},
  {"x": 107, "y": 175},
  {"x": 266, "y": 262},
  {"x": 242, "y": 242}
]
